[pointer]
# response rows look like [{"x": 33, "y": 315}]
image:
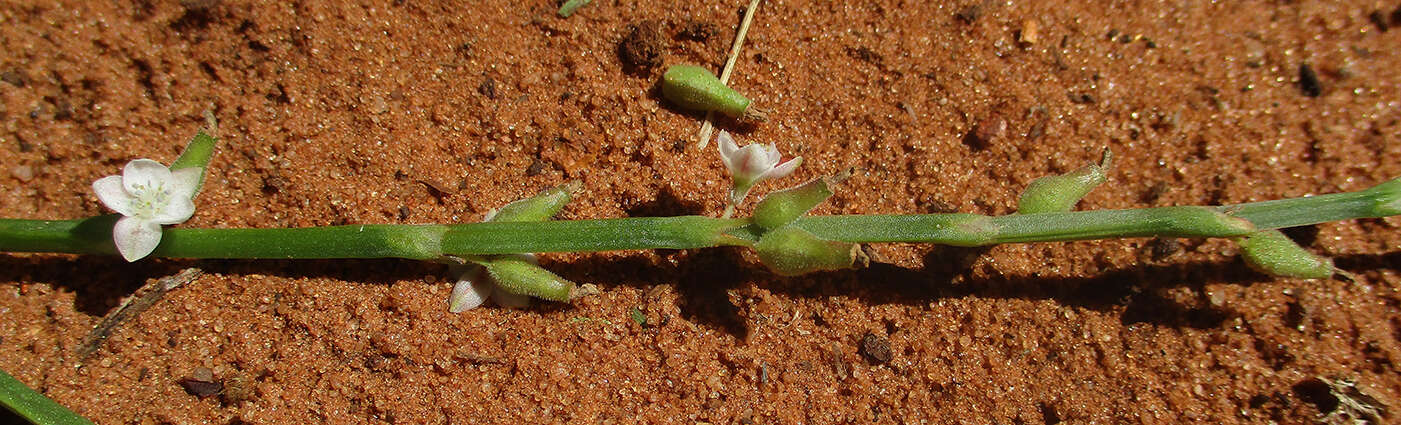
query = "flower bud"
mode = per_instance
[
  {"x": 1061, "y": 193},
  {"x": 782, "y": 207},
  {"x": 539, "y": 207}
]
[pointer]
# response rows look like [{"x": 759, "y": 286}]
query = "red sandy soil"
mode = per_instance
[{"x": 418, "y": 111}]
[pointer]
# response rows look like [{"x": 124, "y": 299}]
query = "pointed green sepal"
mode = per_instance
[{"x": 790, "y": 251}]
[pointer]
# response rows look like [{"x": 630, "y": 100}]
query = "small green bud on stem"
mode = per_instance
[
  {"x": 782, "y": 207},
  {"x": 696, "y": 88},
  {"x": 1061, "y": 193},
  {"x": 790, "y": 251},
  {"x": 1272, "y": 253}
]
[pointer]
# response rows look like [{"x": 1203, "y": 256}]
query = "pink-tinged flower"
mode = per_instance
[
  {"x": 474, "y": 286},
  {"x": 148, "y": 195},
  {"x": 752, "y": 164}
]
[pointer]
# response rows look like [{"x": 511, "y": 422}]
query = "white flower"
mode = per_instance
[
  {"x": 752, "y": 164},
  {"x": 474, "y": 286},
  {"x": 148, "y": 195}
]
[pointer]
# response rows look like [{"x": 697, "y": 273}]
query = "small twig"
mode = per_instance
[
  {"x": 138, "y": 302},
  {"x": 707, "y": 127}
]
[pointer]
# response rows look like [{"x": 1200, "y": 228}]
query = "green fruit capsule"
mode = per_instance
[
  {"x": 1272, "y": 253},
  {"x": 693, "y": 87},
  {"x": 1061, "y": 193},
  {"x": 790, "y": 251}
]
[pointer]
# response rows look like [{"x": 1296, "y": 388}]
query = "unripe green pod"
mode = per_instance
[
  {"x": 517, "y": 275},
  {"x": 790, "y": 251},
  {"x": 782, "y": 207},
  {"x": 1061, "y": 193},
  {"x": 539, "y": 207},
  {"x": 693, "y": 87},
  {"x": 1272, "y": 253}
]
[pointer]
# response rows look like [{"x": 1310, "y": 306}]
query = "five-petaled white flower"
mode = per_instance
[
  {"x": 148, "y": 195},
  {"x": 752, "y": 164}
]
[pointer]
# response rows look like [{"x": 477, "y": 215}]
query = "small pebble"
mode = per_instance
[
  {"x": 23, "y": 173},
  {"x": 1030, "y": 33},
  {"x": 488, "y": 88},
  {"x": 986, "y": 131},
  {"x": 201, "y": 383},
  {"x": 876, "y": 348}
]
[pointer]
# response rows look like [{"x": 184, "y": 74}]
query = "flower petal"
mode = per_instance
[
  {"x": 136, "y": 238},
  {"x": 470, "y": 291},
  {"x": 727, "y": 149},
  {"x": 144, "y": 173},
  {"x": 771, "y": 154},
  {"x": 756, "y": 160},
  {"x": 184, "y": 182},
  {"x": 110, "y": 191},
  {"x": 783, "y": 169},
  {"x": 177, "y": 210}
]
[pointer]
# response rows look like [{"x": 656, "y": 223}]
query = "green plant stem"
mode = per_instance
[
  {"x": 33, "y": 406},
  {"x": 425, "y": 242}
]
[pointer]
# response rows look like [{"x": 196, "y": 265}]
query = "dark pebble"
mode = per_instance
[
  {"x": 643, "y": 46},
  {"x": 1162, "y": 248},
  {"x": 536, "y": 167},
  {"x": 12, "y": 77},
  {"x": 488, "y": 88},
  {"x": 201, "y": 383},
  {"x": 876, "y": 348}
]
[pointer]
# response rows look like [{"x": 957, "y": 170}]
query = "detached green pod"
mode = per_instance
[
  {"x": 1061, "y": 193},
  {"x": 693, "y": 87},
  {"x": 782, "y": 207},
  {"x": 517, "y": 275},
  {"x": 790, "y": 251},
  {"x": 1272, "y": 253}
]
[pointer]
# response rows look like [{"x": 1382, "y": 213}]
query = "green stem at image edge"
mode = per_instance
[
  {"x": 33, "y": 406},
  {"x": 427, "y": 242}
]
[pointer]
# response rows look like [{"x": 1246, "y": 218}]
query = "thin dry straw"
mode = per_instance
[{"x": 707, "y": 127}]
